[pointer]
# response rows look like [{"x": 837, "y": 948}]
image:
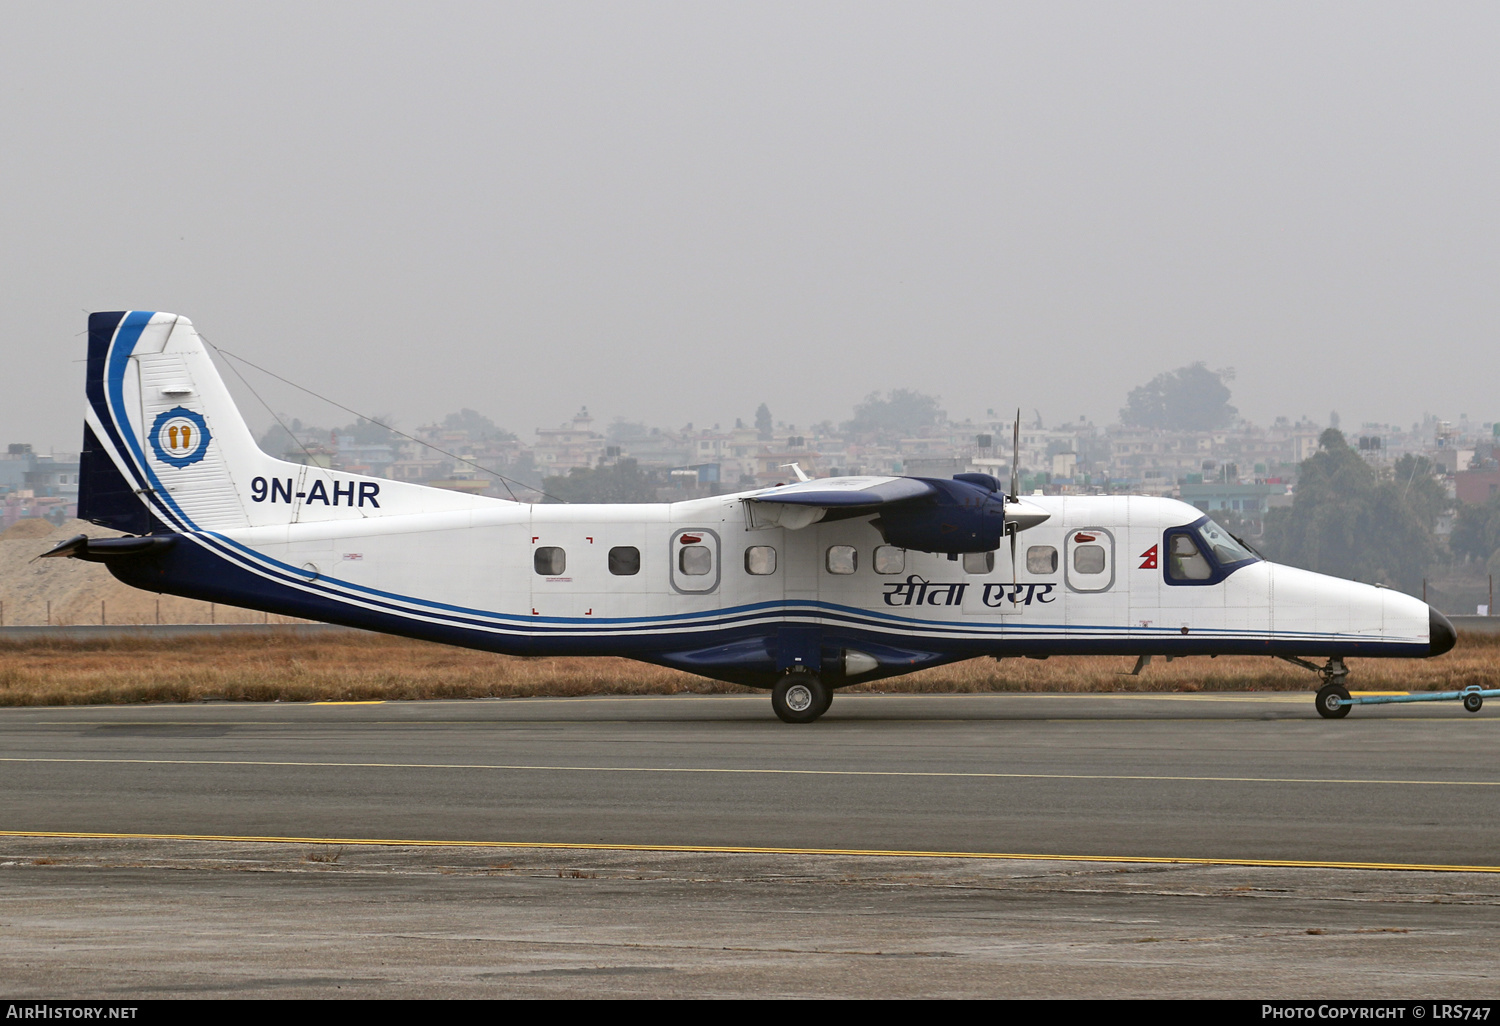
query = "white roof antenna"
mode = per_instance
[{"x": 796, "y": 469}]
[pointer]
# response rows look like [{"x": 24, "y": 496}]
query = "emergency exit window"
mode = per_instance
[
  {"x": 624, "y": 560},
  {"x": 1088, "y": 559},
  {"x": 550, "y": 561},
  {"x": 695, "y": 560}
]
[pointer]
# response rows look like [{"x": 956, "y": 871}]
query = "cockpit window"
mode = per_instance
[
  {"x": 1185, "y": 562},
  {"x": 1225, "y": 549},
  {"x": 1203, "y": 552}
]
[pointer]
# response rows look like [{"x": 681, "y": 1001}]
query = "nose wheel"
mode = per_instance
[
  {"x": 1330, "y": 701},
  {"x": 800, "y": 698}
]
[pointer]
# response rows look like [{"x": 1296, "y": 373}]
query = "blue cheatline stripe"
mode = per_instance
[
  {"x": 767, "y": 613},
  {"x": 294, "y": 576},
  {"x": 390, "y": 601},
  {"x": 736, "y": 615}
]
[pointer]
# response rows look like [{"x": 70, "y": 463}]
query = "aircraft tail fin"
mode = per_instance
[{"x": 166, "y": 449}]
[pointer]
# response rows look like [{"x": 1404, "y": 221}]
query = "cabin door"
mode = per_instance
[
  {"x": 1089, "y": 560},
  {"x": 695, "y": 561}
]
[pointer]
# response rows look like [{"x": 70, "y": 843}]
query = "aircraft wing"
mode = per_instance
[
  {"x": 968, "y": 513},
  {"x": 805, "y": 503}
]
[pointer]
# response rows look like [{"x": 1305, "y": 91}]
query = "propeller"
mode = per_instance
[
  {"x": 1015, "y": 457},
  {"x": 1019, "y": 514},
  {"x": 1015, "y": 486}
]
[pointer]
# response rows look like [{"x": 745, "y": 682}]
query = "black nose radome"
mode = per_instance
[{"x": 1440, "y": 634}]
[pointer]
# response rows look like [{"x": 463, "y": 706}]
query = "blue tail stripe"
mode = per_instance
[{"x": 126, "y": 337}]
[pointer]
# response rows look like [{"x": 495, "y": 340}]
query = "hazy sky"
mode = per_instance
[{"x": 673, "y": 212}]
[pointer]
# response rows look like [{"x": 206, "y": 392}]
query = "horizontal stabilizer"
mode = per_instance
[{"x": 104, "y": 550}]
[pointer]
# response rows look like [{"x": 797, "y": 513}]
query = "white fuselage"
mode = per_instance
[{"x": 477, "y": 567}]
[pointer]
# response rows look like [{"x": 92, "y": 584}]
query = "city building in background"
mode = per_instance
[{"x": 1241, "y": 471}]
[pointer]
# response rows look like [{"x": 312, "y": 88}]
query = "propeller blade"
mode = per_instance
[
  {"x": 1014, "y": 586},
  {"x": 1015, "y": 456},
  {"x": 1011, "y": 527}
]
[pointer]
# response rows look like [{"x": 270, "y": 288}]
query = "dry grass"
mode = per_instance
[{"x": 363, "y": 667}]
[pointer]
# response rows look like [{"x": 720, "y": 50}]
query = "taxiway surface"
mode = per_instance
[
  {"x": 1256, "y": 777},
  {"x": 522, "y": 847}
]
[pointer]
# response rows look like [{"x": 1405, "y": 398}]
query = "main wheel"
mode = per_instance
[
  {"x": 827, "y": 700},
  {"x": 800, "y": 698},
  {"x": 1329, "y": 702},
  {"x": 1473, "y": 702}
]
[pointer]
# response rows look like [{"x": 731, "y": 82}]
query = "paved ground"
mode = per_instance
[
  {"x": 178, "y": 919},
  {"x": 1102, "y": 777}
]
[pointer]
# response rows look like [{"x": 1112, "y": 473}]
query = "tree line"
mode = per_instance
[{"x": 1350, "y": 520}]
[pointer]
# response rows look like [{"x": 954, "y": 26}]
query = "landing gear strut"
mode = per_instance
[
  {"x": 800, "y": 698},
  {"x": 1334, "y": 694}
]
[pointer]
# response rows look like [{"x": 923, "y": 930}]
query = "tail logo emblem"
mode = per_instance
[{"x": 179, "y": 437}]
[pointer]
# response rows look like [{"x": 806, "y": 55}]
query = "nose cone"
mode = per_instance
[{"x": 1440, "y": 633}]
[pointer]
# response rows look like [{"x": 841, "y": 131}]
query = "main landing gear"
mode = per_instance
[{"x": 800, "y": 698}]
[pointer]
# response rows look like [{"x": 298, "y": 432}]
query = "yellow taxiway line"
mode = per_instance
[
  {"x": 750, "y": 771},
  {"x": 728, "y": 849}
]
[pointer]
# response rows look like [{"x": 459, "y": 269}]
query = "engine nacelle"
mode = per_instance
[{"x": 962, "y": 517}]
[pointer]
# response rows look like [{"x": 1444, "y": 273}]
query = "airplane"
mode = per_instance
[{"x": 798, "y": 589}]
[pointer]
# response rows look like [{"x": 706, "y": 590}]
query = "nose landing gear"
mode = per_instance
[
  {"x": 800, "y": 698},
  {"x": 1333, "y": 696},
  {"x": 1331, "y": 701},
  {"x": 1334, "y": 701}
]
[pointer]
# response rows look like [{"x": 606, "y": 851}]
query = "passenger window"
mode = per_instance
[
  {"x": 550, "y": 561},
  {"x": 695, "y": 560},
  {"x": 624, "y": 560},
  {"x": 1185, "y": 562},
  {"x": 760, "y": 560},
  {"x": 890, "y": 559},
  {"x": 1041, "y": 559},
  {"x": 979, "y": 562},
  {"x": 1088, "y": 559},
  {"x": 842, "y": 559}
]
